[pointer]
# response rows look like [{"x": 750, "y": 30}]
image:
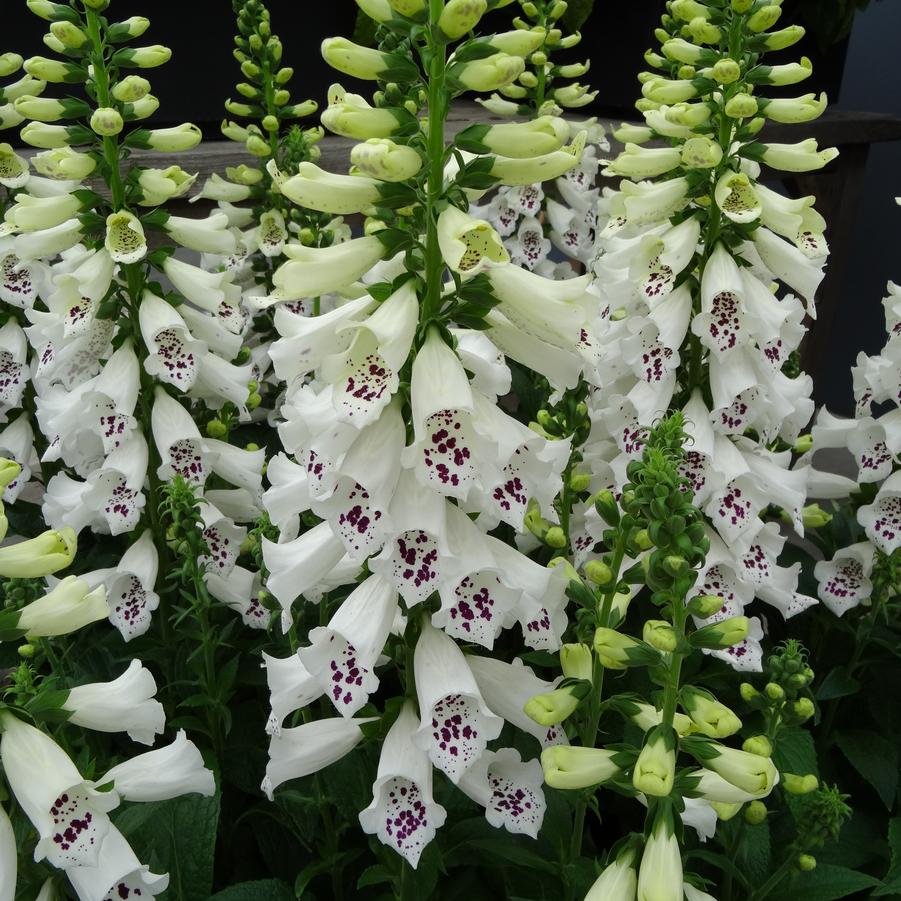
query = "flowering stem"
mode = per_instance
[{"x": 437, "y": 71}]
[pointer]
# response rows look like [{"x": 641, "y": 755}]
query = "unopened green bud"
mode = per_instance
[
  {"x": 270, "y": 123},
  {"x": 724, "y": 811},
  {"x": 643, "y": 540},
  {"x": 131, "y": 89},
  {"x": 106, "y": 121},
  {"x": 257, "y": 146},
  {"x": 555, "y": 538},
  {"x": 247, "y": 90},
  {"x": 661, "y": 635},
  {"x": 576, "y": 661},
  {"x": 68, "y": 34},
  {"x": 554, "y": 707},
  {"x": 748, "y": 692},
  {"x": 283, "y": 76},
  {"x": 755, "y": 813},
  {"x": 800, "y": 785},
  {"x": 530, "y": 10},
  {"x": 528, "y": 79},
  {"x": 26, "y": 651},
  {"x": 605, "y": 504},
  {"x": 723, "y": 634},
  {"x": 705, "y": 605},
  {"x": 741, "y": 106},
  {"x": 806, "y": 863},
  {"x": 742, "y": 6},
  {"x": 96, "y": 5},
  {"x": 538, "y": 58},
  {"x": 598, "y": 572},
  {"x": 726, "y": 71},
  {"x": 253, "y": 401},
  {"x": 774, "y": 691},
  {"x": 701, "y": 153},
  {"x": 802, "y": 709},
  {"x": 687, "y": 72},
  {"x": 558, "y": 9},
  {"x": 759, "y": 745},
  {"x": 579, "y": 482},
  {"x": 280, "y": 98},
  {"x": 216, "y": 429},
  {"x": 804, "y": 444},
  {"x": 765, "y": 17},
  {"x": 786, "y": 37},
  {"x": 815, "y": 517}
]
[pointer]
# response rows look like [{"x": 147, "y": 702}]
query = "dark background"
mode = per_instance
[{"x": 858, "y": 73}]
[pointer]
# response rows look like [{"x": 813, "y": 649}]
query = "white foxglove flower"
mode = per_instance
[
  {"x": 181, "y": 449},
  {"x": 174, "y": 352},
  {"x": 9, "y": 858},
  {"x": 30, "y": 213},
  {"x": 881, "y": 520},
  {"x": 117, "y": 874},
  {"x": 169, "y": 772},
  {"x": 127, "y": 704},
  {"x": 357, "y": 508},
  {"x": 13, "y": 362},
  {"x": 303, "y": 750},
  {"x": 17, "y": 283},
  {"x": 17, "y": 443},
  {"x": 554, "y": 311},
  {"x": 468, "y": 245},
  {"x": 219, "y": 382},
  {"x": 506, "y": 687},
  {"x": 844, "y": 581},
  {"x": 70, "y": 605},
  {"x": 313, "y": 271},
  {"x": 403, "y": 813},
  {"x": 447, "y": 453},
  {"x": 223, "y": 539},
  {"x": 130, "y": 586},
  {"x": 790, "y": 265},
  {"x": 531, "y": 248},
  {"x": 273, "y": 233},
  {"x": 455, "y": 722},
  {"x": 317, "y": 189},
  {"x": 210, "y": 235},
  {"x": 111, "y": 499},
  {"x": 660, "y": 871},
  {"x": 417, "y": 557},
  {"x": 70, "y": 817},
  {"x": 297, "y": 565},
  {"x": 214, "y": 292},
  {"x": 367, "y": 376},
  {"x": 618, "y": 882},
  {"x": 662, "y": 257},
  {"x": 560, "y": 366},
  {"x": 47, "y": 243},
  {"x": 291, "y": 687},
  {"x": 509, "y": 789},
  {"x": 125, "y": 240},
  {"x": 342, "y": 655},
  {"x": 240, "y": 590},
  {"x": 306, "y": 341}
]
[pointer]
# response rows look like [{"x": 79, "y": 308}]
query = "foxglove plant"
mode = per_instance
[
  {"x": 399, "y": 446},
  {"x": 689, "y": 261},
  {"x": 263, "y": 218},
  {"x": 69, "y": 810},
  {"x": 107, "y": 335},
  {"x": 534, "y": 217}
]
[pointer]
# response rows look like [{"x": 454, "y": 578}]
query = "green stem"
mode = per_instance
[
  {"x": 774, "y": 880},
  {"x": 541, "y": 73},
  {"x": 589, "y": 734},
  {"x": 437, "y": 73}
]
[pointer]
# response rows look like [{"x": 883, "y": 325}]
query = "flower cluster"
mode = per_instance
[
  {"x": 121, "y": 364},
  {"x": 531, "y": 220},
  {"x": 656, "y": 524},
  {"x": 874, "y": 439},
  {"x": 690, "y": 258},
  {"x": 394, "y": 439}
]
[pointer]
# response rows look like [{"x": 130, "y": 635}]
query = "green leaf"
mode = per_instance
[
  {"x": 577, "y": 13},
  {"x": 892, "y": 882},
  {"x": 178, "y": 837},
  {"x": 875, "y": 758},
  {"x": 795, "y": 752},
  {"x": 838, "y": 684},
  {"x": 263, "y": 890},
  {"x": 374, "y": 875},
  {"x": 828, "y": 883}
]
